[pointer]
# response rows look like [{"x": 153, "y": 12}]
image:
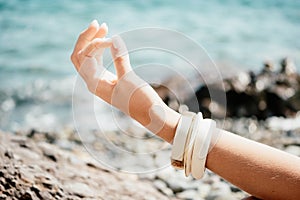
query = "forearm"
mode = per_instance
[{"x": 256, "y": 168}]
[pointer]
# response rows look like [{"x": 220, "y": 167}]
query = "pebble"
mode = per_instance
[
  {"x": 27, "y": 154},
  {"x": 9, "y": 154},
  {"x": 45, "y": 195},
  {"x": 293, "y": 149},
  {"x": 48, "y": 151},
  {"x": 189, "y": 195},
  {"x": 203, "y": 189},
  {"x": 162, "y": 187},
  {"x": 220, "y": 190},
  {"x": 26, "y": 175},
  {"x": 176, "y": 185},
  {"x": 79, "y": 189}
]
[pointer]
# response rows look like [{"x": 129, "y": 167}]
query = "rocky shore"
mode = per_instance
[
  {"x": 37, "y": 165},
  {"x": 33, "y": 168}
]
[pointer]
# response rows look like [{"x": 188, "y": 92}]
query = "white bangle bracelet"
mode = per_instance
[
  {"x": 190, "y": 144},
  {"x": 187, "y": 153},
  {"x": 205, "y": 128},
  {"x": 180, "y": 139}
]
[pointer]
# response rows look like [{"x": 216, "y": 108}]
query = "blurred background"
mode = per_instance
[
  {"x": 37, "y": 80},
  {"x": 37, "y": 38}
]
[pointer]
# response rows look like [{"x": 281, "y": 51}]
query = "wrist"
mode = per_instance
[
  {"x": 164, "y": 124},
  {"x": 146, "y": 107},
  {"x": 160, "y": 120}
]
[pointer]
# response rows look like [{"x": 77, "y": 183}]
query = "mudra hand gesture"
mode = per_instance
[{"x": 125, "y": 90}]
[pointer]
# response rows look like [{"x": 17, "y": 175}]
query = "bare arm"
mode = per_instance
[{"x": 262, "y": 171}]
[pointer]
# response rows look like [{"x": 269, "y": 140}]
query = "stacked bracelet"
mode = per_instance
[
  {"x": 205, "y": 130},
  {"x": 191, "y": 143},
  {"x": 181, "y": 134}
]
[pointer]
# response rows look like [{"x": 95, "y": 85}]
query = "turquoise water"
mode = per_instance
[{"x": 36, "y": 39}]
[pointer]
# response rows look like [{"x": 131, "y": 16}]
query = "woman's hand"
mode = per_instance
[
  {"x": 87, "y": 59},
  {"x": 125, "y": 90}
]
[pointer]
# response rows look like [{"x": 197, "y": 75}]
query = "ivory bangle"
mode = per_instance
[
  {"x": 204, "y": 130},
  {"x": 190, "y": 144},
  {"x": 180, "y": 137}
]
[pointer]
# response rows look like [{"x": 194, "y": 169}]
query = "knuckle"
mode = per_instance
[
  {"x": 123, "y": 60},
  {"x": 72, "y": 57},
  {"x": 80, "y": 56},
  {"x": 79, "y": 53},
  {"x": 120, "y": 60}
]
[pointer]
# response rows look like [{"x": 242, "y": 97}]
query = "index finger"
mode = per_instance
[{"x": 84, "y": 38}]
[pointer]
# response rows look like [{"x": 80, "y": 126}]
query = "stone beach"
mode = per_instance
[{"x": 37, "y": 165}]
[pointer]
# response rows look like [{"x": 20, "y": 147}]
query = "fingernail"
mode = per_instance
[
  {"x": 94, "y": 22},
  {"x": 117, "y": 42},
  {"x": 104, "y": 25},
  {"x": 119, "y": 46}
]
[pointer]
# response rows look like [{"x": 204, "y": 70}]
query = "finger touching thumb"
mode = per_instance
[{"x": 120, "y": 55}]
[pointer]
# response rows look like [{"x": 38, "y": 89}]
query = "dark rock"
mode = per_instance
[
  {"x": 27, "y": 196},
  {"x": 48, "y": 151},
  {"x": 262, "y": 95},
  {"x": 288, "y": 67},
  {"x": 9, "y": 154},
  {"x": 234, "y": 189},
  {"x": 50, "y": 156},
  {"x": 51, "y": 138},
  {"x": 32, "y": 133},
  {"x": 162, "y": 187}
]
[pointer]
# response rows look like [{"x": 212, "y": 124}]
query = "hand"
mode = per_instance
[
  {"x": 126, "y": 90},
  {"x": 88, "y": 61}
]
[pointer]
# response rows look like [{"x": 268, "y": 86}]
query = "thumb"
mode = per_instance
[{"x": 120, "y": 55}]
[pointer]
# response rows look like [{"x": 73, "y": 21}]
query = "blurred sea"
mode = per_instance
[{"x": 37, "y": 37}]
